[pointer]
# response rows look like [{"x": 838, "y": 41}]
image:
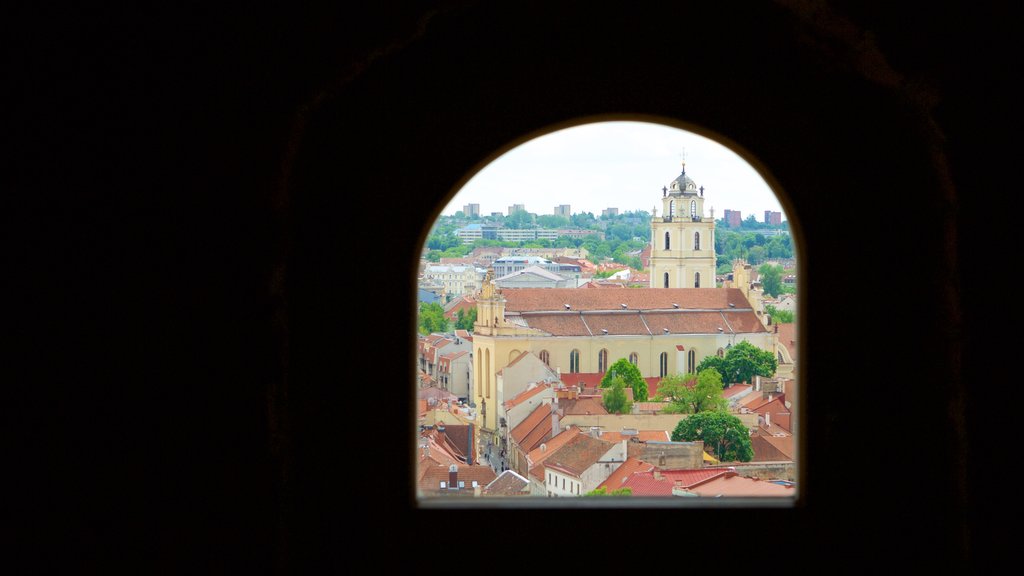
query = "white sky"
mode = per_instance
[{"x": 620, "y": 165}]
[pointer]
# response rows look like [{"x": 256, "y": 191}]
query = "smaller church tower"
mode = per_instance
[{"x": 682, "y": 238}]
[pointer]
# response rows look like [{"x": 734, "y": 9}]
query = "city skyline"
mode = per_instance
[{"x": 618, "y": 164}]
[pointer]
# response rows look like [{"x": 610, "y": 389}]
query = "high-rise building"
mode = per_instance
[
  {"x": 562, "y": 210},
  {"x": 682, "y": 238},
  {"x": 610, "y": 212},
  {"x": 471, "y": 210},
  {"x": 733, "y": 218},
  {"x": 772, "y": 217},
  {"x": 516, "y": 208}
]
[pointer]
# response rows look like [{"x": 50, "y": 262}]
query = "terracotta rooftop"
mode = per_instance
[
  {"x": 736, "y": 390},
  {"x": 646, "y": 484},
  {"x": 787, "y": 337},
  {"x": 540, "y": 454},
  {"x": 733, "y": 484},
  {"x": 755, "y": 401},
  {"x": 534, "y": 429},
  {"x": 578, "y": 454},
  {"x": 624, "y": 471},
  {"x": 525, "y": 395},
  {"x": 772, "y": 448},
  {"x": 508, "y": 483},
  {"x": 634, "y": 322},
  {"x": 592, "y": 381},
  {"x": 432, "y": 476},
  {"x": 641, "y": 435},
  {"x": 581, "y": 406},
  {"x": 554, "y": 299}
]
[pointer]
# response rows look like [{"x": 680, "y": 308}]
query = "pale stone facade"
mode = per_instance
[{"x": 682, "y": 238}]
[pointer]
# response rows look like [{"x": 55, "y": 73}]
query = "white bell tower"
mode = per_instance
[{"x": 682, "y": 238}]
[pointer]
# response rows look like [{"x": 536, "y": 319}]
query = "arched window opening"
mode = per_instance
[{"x": 564, "y": 325}]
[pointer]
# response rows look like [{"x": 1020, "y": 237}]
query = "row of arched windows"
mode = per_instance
[
  {"x": 668, "y": 240},
  {"x": 696, "y": 279},
  {"x": 602, "y": 362}
]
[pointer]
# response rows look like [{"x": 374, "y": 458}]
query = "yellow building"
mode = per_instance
[
  {"x": 682, "y": 238},
  {"x": 661, "y": 331}
]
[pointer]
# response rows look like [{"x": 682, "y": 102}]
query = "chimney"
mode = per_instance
[
  {"x": 595, "y": 431},
  {"x": 657, "y": 475},
  {"x": 554, "y": 423},
  {"x": 453, "y": 477},
  {"x": 757, "y": 382},
  {"x": 469, "y": 445},
  {"x": 767, "y": 419}
]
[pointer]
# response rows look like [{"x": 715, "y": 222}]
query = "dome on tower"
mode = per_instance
[{"x": 682, "y": 184}]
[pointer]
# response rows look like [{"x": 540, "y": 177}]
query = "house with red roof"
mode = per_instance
[
  {"x": 453, "y": 373},
  {"x": 508, "y": 484},
  {"x": 577, "y": 466},
  {"x": 453, "y": 480}
]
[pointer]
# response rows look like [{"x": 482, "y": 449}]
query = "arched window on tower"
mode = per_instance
[
  {"x": 696, "y": 240},
  {"x": 668, "y": 242},
  {"x": 696, "y": 279},
  {"x": 666, "y": 279},
  {"x": 545, "y": 357},
  {"x": 633, "y": 358},
  {"x": 693, "y": 208},
  {"x": 663, "y": 365},
  {"x": 691, "y": 361},
  {"x": 574, "y": 361},
  {"x": 671, "y": 208}
]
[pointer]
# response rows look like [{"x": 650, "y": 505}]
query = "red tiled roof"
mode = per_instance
[
  {"x": 539, "y": 455},
  {"x": 592, "y": 380},
  {"x": 537, "y": 299},
  {"x": 733, "y": 484},
  {"x": 534, "y": 429},
  {"x": 432, "y": 476},
  {"x": 735, "y": 390},
  {"x": 508, "y": 483},
  {"x": 624, "y": 471},
  {"x": 454, "y": 355},
  {"x": 772, "y": 448},
  {"x": 645, "y": 484},
  {"x": 578, "y": 454},
  {"x": 787, "y": 337},
  {"x": 581, "y": 406},
  {"x": 525, "y": 395},
  {"x": 642, "y": 435}
]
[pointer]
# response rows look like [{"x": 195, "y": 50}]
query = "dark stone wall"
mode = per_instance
[{"x": 187, "y": 185}]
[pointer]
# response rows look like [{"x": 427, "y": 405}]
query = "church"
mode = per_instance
[{"x": 664, "y": 329}]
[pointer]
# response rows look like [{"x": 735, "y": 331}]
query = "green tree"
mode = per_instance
[
  {"x": 744, "y": 361},
  {"x": 614, "y": 399},
  {"x": 432, "y": 318},
  {"x": 771, "y": 279},
  {"x": 693, "y": 393},
  {"x": 465, "y": 320},
  {"x": 718, "y": 364},
  {"x": 783, "y": 316},
  {"x": 602, "y": 491},
  {"x": 631, "y": 376},
  {"x": 552, "y": 221},
  {"x": 723, "y": 434}
]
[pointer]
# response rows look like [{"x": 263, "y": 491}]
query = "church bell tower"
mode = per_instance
[{"x": 682, "y": 238}]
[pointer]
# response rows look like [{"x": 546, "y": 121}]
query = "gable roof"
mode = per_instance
[
  {"x": 772, "y": 448},
  {"x": 508, "y": 483},
  {"x": 554, "y": 299},
  {"x": 542, "y": 452},
  {"x": 532, "y": 271},
  {"x": 624, "y": 471},
  {"x": 581, "y": 406},
  {"x": 432, "y": 476},
  {"x": 578, "y": 454},
  {"x": 534, "y": 429}
]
